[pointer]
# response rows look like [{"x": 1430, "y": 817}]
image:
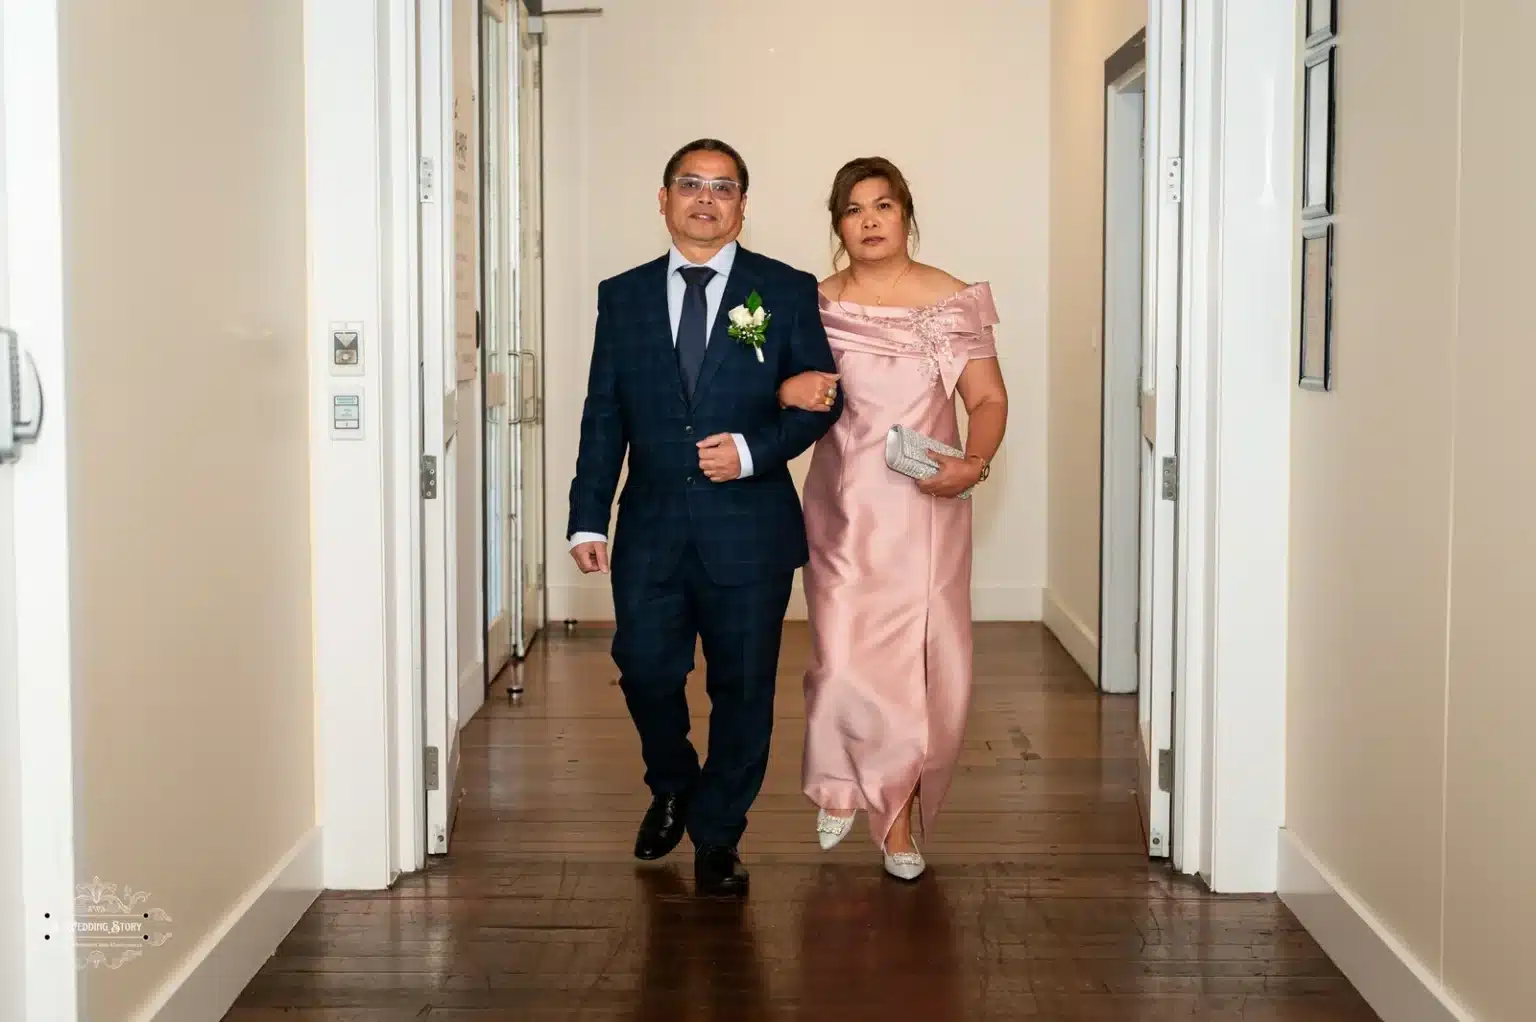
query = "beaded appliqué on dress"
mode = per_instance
[
  {"x": 928, "y": 323},
  {"x": 934, "y": 338}
]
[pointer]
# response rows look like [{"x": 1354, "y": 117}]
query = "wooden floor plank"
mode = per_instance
[{"x": 1040, "y": 902}]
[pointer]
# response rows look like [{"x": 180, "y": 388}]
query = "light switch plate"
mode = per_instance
[
  {"x": 346, "y": 347},
  {"x": 346, "y": 413}
]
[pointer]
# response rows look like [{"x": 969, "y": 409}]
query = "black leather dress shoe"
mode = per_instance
[
  {"x": 718, "y": 870},
  {"x": 662, "y": 827}
]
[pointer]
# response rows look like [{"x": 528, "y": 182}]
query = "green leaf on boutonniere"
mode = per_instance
[{"x": 754, "y": 302}]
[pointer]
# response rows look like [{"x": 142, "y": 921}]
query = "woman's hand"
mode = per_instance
[
  {"x": 811, "y": 391},
  {"x": 954, "y": 477}
]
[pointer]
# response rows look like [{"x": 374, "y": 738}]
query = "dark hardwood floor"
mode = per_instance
[{"x": 1039, "y": 902}]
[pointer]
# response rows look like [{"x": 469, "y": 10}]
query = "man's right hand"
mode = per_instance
[{"x": 590, "y": 557}]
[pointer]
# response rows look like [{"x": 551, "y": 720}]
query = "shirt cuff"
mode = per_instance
[
  {"x": 586, "y": 537},
  {"x": 744, "y": 453}
]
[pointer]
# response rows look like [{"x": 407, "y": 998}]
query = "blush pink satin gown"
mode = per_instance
[{"x": 888, "y": 586}]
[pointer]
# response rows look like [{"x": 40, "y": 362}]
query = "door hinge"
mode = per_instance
[
  {"x": 428, "y": 180},
  {"x": 1170, "y": 478},
  {"x": 1165, "y": 770},
  {"x": 1173, "y": 177},
  {"x": 429, "y": 767},
  {"x": 429, "y": 477}
]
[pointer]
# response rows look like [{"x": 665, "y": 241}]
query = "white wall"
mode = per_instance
[
  {"x": 957, "y": 96},
  {"x": 185, "y": 290},
  {"x": 1411, "y": 780},
  {"x": 1083, "y": 36},
  {"x": 12, "y": 911}
]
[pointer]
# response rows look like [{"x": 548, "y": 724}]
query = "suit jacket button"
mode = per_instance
[{"x": 688, "y": 429}]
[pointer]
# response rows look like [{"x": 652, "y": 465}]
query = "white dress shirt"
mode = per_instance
[{"x": 714, "y": 291}]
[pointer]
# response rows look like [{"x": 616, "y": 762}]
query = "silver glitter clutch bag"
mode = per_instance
[{"x": 907, "y": 450}]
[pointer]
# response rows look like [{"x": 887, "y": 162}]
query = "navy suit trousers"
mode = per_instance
[{"x": 659, "y": 621}]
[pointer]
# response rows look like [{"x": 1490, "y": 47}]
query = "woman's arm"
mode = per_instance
[
  {"x": 985, "y": 395},
  {"x": 810, "y": 391},
  {"x": 982, "y": 389}
]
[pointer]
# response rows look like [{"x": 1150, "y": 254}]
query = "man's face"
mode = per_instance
[{"x": 703, "y": 203}]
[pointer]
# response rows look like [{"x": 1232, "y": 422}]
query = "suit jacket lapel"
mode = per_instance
[
  {"x": 658, "y": 324},
  {"x": 737, "y": 286}
]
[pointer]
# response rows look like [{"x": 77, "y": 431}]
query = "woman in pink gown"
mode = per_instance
[{"x": 888, "y": 586}]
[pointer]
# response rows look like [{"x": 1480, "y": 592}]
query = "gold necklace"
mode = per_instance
[{"x": 880, "y": 299}]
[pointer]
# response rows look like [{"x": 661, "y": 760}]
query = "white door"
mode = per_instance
[
  {"x": 37, "y": 806},
  {"x": 1125, "y": 196},
  {"x": 1159, "y": 420},
  {"x": 439, "y": 419},
  {"x": 502, "y": 592},
  {"x": 530, "y": 331}
]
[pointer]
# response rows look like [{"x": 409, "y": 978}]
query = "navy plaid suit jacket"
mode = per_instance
[{"x": 742, "y": 530}]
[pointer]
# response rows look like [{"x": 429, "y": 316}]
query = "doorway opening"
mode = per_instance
[{"x": 482, "y": 360}]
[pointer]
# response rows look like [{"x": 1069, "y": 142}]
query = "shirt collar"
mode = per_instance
[{"x": 721, "y": 263}]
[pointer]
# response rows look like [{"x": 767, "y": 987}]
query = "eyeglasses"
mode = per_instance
[{"x": 720, "y": 187}]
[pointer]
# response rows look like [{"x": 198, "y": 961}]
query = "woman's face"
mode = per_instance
[{"x": 874, "y": 225}]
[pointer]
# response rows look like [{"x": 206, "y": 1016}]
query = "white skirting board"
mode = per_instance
[
  {"x": 1072, "y": 632},
  {"x": 586, "y": 602},
  {"x": 221, "y": 966},
  {"x": 471, "y": 691},
  {"x": 988, "y": 603},
  {"x": 1006, "y": 603},
  {"x": 1395, "y": 983}
]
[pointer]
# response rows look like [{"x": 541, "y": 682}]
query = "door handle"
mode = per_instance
[
  {"x": 515, "y": 400},
  {"x": 14, "y": 429},
  {"x": 528, "y": 407},
  {"x": 538, "y": 389}
]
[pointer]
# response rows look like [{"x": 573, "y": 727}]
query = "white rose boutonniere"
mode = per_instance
[{"x": 749, "y": 323}]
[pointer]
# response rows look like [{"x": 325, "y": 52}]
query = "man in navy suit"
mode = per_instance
[{"x": 710, "y": 529}]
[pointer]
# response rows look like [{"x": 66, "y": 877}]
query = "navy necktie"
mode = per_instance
[{"x": 693, "y": 325}]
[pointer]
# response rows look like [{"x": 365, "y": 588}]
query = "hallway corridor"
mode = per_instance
[{"x": 1039, "y": 902}]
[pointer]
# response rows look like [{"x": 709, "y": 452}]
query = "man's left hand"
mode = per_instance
[
  {"x": 954, "y": 477},
  {"x": 718, "y": 458}
]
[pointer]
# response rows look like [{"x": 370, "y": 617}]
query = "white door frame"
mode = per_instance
[
  {"x": 403, "y": 405},
  {"x": 46, "y": 804},
  {"x": 1240, "y": 222},
  {"x": 442, "y": 417},
  {"x": 1156, "y": 433},
  {"x": 364, "y": 489}
]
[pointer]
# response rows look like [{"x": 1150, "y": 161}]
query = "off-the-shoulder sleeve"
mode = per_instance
[
  {"x": 968, "y": 319},
  {"x": 978, "y": 339}
]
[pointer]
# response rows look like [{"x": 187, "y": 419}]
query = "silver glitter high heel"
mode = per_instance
[{"x": 832, "y": 829}]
